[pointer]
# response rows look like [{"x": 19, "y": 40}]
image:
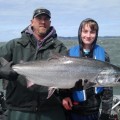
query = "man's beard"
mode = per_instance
[{"x": 42, "y": 31}]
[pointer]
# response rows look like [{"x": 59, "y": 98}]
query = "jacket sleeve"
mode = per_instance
[
  {"x": 107, "y": 97},
  {"x": 107, "y": 100},
  {"x": 6, "y": 50}
]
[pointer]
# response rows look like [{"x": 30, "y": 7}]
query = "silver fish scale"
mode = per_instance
[{"x": 64, "y": 72}]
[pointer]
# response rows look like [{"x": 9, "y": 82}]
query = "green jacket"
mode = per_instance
[{"x": 26, "y": 48}]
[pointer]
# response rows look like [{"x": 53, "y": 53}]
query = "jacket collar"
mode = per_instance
[{"x": 27, "y": 36}]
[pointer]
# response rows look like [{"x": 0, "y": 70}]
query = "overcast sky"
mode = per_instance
[{"x": 15, "y": 15}]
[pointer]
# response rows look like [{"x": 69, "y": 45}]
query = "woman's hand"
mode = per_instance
[{"x": 67, "y": 103}]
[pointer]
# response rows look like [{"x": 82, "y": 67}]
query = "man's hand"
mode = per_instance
[
  {"x": 67, "y": 103},
  {"x": 6, "y": 72}
]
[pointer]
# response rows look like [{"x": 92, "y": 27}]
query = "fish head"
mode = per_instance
[
  {"x": 105, "y": 78},
  {"x": 108, "y": 77}
]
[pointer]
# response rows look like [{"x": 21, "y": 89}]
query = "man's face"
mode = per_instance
[{"x": 40, "y": 24}]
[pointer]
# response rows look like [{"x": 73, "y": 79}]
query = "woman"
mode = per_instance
[{"x": 85, "y": 104}]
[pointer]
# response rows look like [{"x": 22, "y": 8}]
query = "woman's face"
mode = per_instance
[{"x": 87, "y": 35}]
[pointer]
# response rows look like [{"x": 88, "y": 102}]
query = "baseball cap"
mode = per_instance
[{"x": 41, "y": 11}]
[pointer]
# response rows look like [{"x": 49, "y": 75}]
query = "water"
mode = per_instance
[{"x": 112, "y": 47}]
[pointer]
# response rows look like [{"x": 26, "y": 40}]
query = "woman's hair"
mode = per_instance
[
  {"x": 94, "y": 27},
  {"x": 92, "y": 23}
]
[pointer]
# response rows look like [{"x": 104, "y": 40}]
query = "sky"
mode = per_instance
[{"x": 15, "y": 15}]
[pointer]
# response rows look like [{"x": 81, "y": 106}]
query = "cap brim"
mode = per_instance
[{"x": 41, "y": 14}]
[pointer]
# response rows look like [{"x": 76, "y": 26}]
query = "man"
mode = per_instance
[
  {"x": 85, "y": 104},
  {"x": 38, "y": 40}
]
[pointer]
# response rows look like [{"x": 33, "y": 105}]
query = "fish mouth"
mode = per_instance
[{"x": 118, "y": 79}]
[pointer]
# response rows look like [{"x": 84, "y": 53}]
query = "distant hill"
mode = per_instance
[
  {"x": 76, "y": 38},
  {"x": 68, "y": 38},
  {"x": 111, "y": 45},
  {"x": 99, "y": 38}
]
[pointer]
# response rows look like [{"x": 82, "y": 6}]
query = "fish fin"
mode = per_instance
[
  {"x": 54, "y": 55},
  {"x": 51, "y": 90},
  {"x": 3, "y": 61},
  {"x": 29, "y": 83}
]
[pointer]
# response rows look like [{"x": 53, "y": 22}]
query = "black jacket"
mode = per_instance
[{"x": 26, "y": 48}]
